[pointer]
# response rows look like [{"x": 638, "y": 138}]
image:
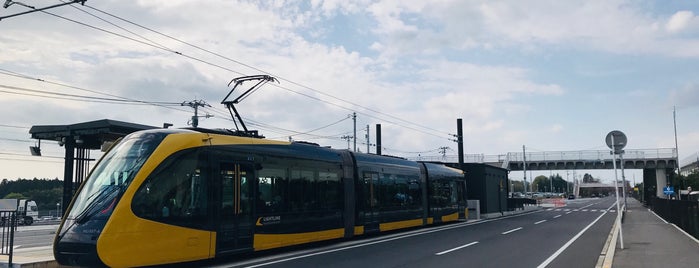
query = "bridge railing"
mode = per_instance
[
  {"x": 690, "y": 160},
  {"x": 585, "y": 155}
]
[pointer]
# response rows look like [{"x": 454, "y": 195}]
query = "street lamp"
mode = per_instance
[{"x": 58, "y": 210}]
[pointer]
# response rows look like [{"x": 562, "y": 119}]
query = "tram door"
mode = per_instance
[
  {"x": 371, "y": 211},
  {"x": 235, "y": 230}
]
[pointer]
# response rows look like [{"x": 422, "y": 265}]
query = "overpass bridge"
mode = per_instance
[
  {"x": 662, "y": 158},
  {"x": 689, "y": 164},
  {"x": 658, "y": 164}
]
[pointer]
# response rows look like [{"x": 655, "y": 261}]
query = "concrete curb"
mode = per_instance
[{"x": 606, "y": 258}]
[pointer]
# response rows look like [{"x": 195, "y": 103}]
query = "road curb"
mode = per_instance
[{"x": 606, "y": 257}]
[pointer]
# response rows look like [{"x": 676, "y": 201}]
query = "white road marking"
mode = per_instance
[
  {"x": 379, "y": 240},
  {"x": 456, "y": 248},
  {"x": 513, "y": 230},
  {"x": 541, "y": 221},
  {"x": 568, "y": 212},
  {"x": 558, "y": 216},
  {"x": 564, "y": 247}
]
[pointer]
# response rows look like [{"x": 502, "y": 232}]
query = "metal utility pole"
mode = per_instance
[
  {"x": 677, "y": 156},
  {"x": 348, "y": 138},
  {"x": 551, "y": 184},
  {"x": 368, "y": 139},
  {"x": 196, "y": 104},
  {"x": 378, "y": 139},
  {"x": 460, "y": 142},
  {"x": 443, "y": 151},
  {"x": 354, "y": 118},
  {"x": 623, "y": 178}
]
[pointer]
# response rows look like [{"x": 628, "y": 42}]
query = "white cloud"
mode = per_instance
[
  {"x": 616, "y": 26},
  {"x": 556, "y": 128},
  {"x": 679, "y": 21},
  {"x": 424, "y": 62}
]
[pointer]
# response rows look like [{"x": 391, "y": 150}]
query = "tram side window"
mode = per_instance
[
  {"x": 175, "y": 193},
  {"x": 272, "y": 188},
  {"x": 441, "y": 194},
  {"x": 301, "y": 192},
  {"x": 399, "y": 191},
  {"x": 389, "y": 192},
  {"x": 329, "y": 188},
  {"x": 414, "y": 192}
]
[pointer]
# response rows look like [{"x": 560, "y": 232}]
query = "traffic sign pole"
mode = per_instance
[{"x": 613, "y": 146}]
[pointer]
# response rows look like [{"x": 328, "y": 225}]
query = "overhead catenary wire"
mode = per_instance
[
  {"x": 12, "y": 126},
  {"x": 157, "y": 46},
  {"x": 80, "y": 97},
  {"x": 24, "y": 76},
  {"x": 247, "y": 65}
]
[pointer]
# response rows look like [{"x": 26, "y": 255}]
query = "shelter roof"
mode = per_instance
[{"x": 88, "y": 135}]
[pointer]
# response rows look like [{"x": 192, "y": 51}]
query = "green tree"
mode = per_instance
[
  {"x": 541, "y": 183},
  {"x": 14, "y": 196}
]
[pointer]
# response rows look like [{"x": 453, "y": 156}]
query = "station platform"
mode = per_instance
[
  {"x": 33, "y": 257},
  {"x": 650, "y": 241}
]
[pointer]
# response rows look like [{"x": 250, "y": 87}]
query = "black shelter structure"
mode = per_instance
[
  {"x": 489, "y": 185},
  {"x": 78, "y": 139}
]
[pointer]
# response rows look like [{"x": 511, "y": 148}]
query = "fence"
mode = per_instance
[
  {"x": 8, "y": 224},
  {"x": 684, "y": 214},
  {"x": 518, "y": 203}
]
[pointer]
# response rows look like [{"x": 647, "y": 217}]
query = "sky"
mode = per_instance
[{"x": 549, "y": 75}]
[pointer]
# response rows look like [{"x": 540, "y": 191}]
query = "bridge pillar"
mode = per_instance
[
  {"x": 654, "y": 179},
  {"x": 661, "y": 177}
]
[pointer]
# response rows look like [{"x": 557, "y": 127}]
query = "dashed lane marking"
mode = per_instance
[
  {"x": 456, "y": 248},
  {"x": 513, "y": 230}
]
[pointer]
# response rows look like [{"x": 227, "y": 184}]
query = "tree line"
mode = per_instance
[{"x": 46, "y": 193}]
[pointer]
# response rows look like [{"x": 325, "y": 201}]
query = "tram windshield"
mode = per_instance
[{"x": 113, "y": 174}]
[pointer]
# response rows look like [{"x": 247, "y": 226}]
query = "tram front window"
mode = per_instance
[{"x": 112, "y": 174}]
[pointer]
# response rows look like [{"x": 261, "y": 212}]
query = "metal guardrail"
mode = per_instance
[{"x": 585, "y": 155}]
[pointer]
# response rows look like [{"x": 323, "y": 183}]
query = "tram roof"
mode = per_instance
[{"x": 90, "y": 134}]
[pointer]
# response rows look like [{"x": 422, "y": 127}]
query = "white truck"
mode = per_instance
[{"x": 27, "y": 212}]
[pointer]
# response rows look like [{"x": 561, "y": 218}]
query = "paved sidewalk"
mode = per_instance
[
  {"x": 40, "y": 257},
  {"x": 649, "y": 241}
]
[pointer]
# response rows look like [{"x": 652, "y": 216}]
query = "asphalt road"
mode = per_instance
[
  {"x": 570, "y": 236},
  {"x": 39, "y": 234}
]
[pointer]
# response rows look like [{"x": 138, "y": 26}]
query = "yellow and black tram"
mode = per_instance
[{"x": 167, "y": 196}]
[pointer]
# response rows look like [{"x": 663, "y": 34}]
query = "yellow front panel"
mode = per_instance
[
  {"x": 127, "y": 240},
  {"x": 267, "y": 241},
  {"x": 399, "y": 225},
  {"x": 148, "y": 243}
]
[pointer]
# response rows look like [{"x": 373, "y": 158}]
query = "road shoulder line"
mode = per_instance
[{"x": 606, "y": 257}]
